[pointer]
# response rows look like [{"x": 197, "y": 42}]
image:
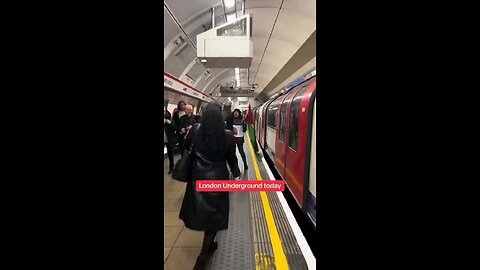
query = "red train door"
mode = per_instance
[
  {"x": 296, "y": 136},
  {"x": 282, "y": 127}
]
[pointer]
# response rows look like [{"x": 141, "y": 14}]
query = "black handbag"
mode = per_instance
[{"x": 183, "y": 167}]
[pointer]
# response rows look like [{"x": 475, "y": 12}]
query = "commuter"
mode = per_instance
[
  {"x": 239, "y": 128},
  {"x": 170, "y": 137},
  {"x": 176, "y": 120},
  {"x": 213, "y": 149},
  {"x": 227, "y": 116},
  {"x": 179, "y": 112},
  {"x": 187, "y": 121}
]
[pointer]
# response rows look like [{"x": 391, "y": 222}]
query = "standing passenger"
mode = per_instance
[
  {"x": 176, "y": 120},
  {"x": 188, "y": 120},
  {"x": 239, "y": 128},
  {"x": 213, "y": 149},
  {"x": 170, "y": 138}
]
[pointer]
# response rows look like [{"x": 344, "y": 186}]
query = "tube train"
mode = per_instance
[{"x": 285, "y": 128}]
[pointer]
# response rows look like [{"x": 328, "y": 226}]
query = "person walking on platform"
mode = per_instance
[
  {"x": 239, "y": 128},
  {"x": 169, "y": 137},
  {"x": 213, "y": 148},
  {"x": 176, "y": 121},
  {"x": 227, "y": 116}
]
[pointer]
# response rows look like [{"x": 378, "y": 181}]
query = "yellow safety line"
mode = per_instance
[{"x": 278, "y": 253}]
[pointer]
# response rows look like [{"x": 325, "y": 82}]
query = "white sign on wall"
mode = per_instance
[{"x": 182, "y": 88}]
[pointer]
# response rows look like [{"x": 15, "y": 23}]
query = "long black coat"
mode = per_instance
[
  {"x": 203, "y": 211},
  {"x": 176, "y": 121}
]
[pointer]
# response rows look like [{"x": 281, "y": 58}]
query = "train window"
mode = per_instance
[
  {"x": 272, "y": 112},
  {"x": 294, "y": 113}
]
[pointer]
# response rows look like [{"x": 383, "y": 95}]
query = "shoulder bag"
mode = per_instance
[{"x": 183, "y": 167}]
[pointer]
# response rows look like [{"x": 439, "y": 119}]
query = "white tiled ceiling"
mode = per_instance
[{"x": 295, "y": 23}]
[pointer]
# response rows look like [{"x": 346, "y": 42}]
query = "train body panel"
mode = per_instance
[
  {"x": 258, "y": 124},
  {"x": 312, "y": 185},
  {"x": 270, "y": 141},
  {"x": 270, "y": 135}
]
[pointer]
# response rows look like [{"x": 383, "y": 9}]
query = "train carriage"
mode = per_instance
[{"x": 286, "y": 130}]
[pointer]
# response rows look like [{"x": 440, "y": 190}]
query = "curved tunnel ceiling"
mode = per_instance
[{"x": 275, "y": 40}]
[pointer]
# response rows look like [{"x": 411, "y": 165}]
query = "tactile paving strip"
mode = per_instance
[
  {"x": 262, "y": 247},
  {"x": 290, "y": 246},
  {"x": 235, "y": 244}
]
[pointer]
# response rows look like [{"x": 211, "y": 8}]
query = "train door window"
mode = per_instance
[
  {"x": 272, "y": 114},
  {"x": 294, "y": 117},
  {"x": 272, "y": 110},
  {"x": 283, "y": 117}
]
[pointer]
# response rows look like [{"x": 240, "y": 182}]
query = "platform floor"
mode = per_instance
[{"x": 260, "y": 236}]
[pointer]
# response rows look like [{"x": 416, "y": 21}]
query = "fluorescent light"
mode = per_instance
[
  {"x": 229, "y": 3},
  {"x": 231, "y": 17},
  {"x": 203, "y": 60}
]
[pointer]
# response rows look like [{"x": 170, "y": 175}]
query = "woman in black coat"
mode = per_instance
[
  {"x": 170, "y": 138},
  {"x": 213, "y": 149}
]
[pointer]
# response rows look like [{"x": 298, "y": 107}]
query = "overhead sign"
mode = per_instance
[
  {"x": 235, "y": 92},
  {"x": 182, "y": 88}
]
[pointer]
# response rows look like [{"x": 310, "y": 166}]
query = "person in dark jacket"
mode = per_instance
[
  {"x": 176, "y": 121},
  {"x": 170, "y": 137},
  {"x": 239, "y": 129},
  {"x": 187, "y": 121},
  {"x": 213, "y": 149},
  {"x": 227, "y": 116}
]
